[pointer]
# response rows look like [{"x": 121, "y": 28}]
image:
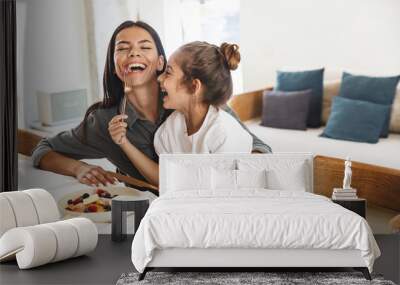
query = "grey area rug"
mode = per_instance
[{"x": 270, "y": 278}]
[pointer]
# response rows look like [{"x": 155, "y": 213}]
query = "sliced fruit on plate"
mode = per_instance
[
  {"x": 92, "y": 208},
  {"x": 91, "y": 199},
  {"x": 80, "y": 207}
]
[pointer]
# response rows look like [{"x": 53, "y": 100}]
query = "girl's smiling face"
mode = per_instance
[
  {"x": 177, "y": 96},
  {"x": 135, "y": 57}
]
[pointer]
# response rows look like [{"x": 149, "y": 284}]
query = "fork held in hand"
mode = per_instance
[{"x": 123, "y": 107}]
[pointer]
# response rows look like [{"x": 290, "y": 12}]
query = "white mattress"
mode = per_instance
[
  {"x": 384, "y": 153},
  {"x": 253, "y": 218}
]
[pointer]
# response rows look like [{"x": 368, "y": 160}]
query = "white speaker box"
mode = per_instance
[{"x": 61, "y": 107}]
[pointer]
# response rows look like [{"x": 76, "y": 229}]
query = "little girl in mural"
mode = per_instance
[{"x": 197, "y": 80}]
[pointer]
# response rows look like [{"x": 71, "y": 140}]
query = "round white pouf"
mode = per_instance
[
  {"x": 31, "y": 233},
  {"x": 23, "y": 208},
  {"x": 45, "y": 205},
  {"x": 33, "y": 246},
  {"x": 67, "y": 239},
  {"x": 27, "y": 208},
  {"x": 87, "y": 234},
  {"x": 6, "y": 216},
  {"x": 40, "y": 244}
]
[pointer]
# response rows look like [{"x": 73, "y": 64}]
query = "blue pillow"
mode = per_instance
[
  {"x": 303, "y": 80},
  {"x": 355, "y": 120},
  {"x": 379, "y": 90}
]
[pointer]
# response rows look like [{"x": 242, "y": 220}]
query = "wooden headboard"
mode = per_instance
[
  {"x": 248, "y": 105},
  {"x": 379, "y": 185}
]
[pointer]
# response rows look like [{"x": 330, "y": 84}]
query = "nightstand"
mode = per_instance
[{"x": 358, "y": 206}]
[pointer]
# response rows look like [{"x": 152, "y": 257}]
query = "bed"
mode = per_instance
[{"x": 241, "y": 210}]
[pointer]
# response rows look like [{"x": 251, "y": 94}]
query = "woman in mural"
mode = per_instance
[{"x": 135, "y": 46}]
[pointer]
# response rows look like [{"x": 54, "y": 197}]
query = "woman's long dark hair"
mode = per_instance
[{"x": 113, "y": 87}]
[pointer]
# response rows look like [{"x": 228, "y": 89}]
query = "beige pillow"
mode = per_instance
[
  {"x": 331, "y": 89},
  {"x": 394, "y": 125}
]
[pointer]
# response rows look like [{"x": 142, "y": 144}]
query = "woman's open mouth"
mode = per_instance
[{"x": 135, "y": 68}]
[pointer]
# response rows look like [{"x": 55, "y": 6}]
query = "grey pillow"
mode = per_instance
[
  {"x": 303, "y": 80},
  {"x": 286, "y": 110}
]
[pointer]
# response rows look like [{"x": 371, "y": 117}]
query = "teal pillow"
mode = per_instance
[
  {"x": 355, "y": 120},
  {"x": 379, "y": 90},
  {"x": 303, "y": 80}
]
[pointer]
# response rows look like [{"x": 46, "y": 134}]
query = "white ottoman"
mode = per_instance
[
  {"x": 40, "y": 244},
  {"x": 31, "y": 232}
]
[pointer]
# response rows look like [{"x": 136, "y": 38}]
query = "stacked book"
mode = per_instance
[{"x": 344, "y": 194}]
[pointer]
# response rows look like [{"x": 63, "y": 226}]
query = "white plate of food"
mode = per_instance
[{"x": 94, "y": 203}]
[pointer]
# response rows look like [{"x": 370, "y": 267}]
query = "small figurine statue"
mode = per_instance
[{"x": 347, "y": 174}]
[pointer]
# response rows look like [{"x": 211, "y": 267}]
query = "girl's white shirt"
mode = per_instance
[{"x": 219, "y": 133}]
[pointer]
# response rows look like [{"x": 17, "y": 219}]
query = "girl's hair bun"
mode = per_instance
[{"x": 231, "y": 54}]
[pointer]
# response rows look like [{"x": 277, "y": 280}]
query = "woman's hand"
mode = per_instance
[
  {"x": 93, "y": 175},
  {"x": 117, "y": 129}
]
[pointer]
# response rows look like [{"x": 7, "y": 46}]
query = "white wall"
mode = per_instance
[
  {"x": 360, "y": 36},
  {"x": 55, "y": 50},
  {"x": 153, "y": 12},
  {"x": 164, "y": 17},
  {"x": 106, "y": 16},
  {"x": 172, "y": 34}
]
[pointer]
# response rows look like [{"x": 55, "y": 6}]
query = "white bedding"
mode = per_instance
[{"x": 252, "y": 218}]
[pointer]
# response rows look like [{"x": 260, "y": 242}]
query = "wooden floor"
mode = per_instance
[{"x": 110, "y": 260}]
